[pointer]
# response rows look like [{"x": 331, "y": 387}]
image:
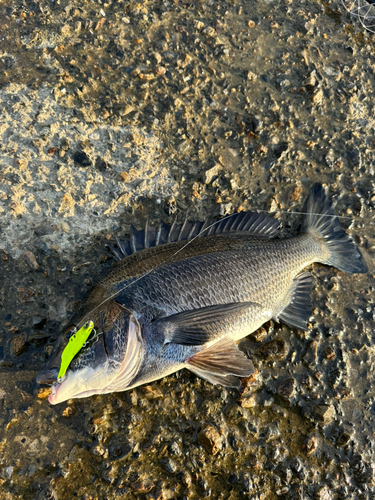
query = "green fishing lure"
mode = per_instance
[{"x": 75, "y": 344}]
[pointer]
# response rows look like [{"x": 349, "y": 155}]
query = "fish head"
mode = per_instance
[{"x": 108, "y": 362}]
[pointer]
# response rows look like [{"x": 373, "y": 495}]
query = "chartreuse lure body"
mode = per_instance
[{"x": 75, "y": 344}]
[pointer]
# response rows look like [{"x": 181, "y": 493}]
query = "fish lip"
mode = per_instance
[
  {"x": 48, "y": 376},
  {"x": 52, "y": 398}
]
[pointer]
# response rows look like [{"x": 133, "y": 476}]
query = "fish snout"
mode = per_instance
[{"x": 48, "y": 376}]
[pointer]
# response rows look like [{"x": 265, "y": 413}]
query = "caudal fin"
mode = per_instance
[{"x": 321, "y": 221}]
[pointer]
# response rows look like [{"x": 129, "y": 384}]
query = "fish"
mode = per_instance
[{"x": 182, "y": 296}]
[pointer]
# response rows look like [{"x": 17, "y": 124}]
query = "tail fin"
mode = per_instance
[{"x": 323, "y": 223}]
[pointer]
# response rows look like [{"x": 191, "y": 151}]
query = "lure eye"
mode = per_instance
[{"x": 68, "y": 332}]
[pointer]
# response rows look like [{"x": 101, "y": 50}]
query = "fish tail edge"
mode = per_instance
[{"x": 322, "y": 222}]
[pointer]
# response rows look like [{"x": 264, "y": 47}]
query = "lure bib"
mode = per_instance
[{"x": 75, "y": 344}]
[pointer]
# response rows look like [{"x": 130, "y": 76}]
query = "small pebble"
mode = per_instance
[
  {"x": 274, "y": 350},
  {"x": 44, "y": 392},
  {"x": 210, "y": 438},
  {"x": 65, "y": 227},
  {"x": 19, "y": 344},
  {"x": 286, "y": 389}
]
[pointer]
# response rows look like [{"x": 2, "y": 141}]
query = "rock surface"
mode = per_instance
[{"x": 111, "y": 112}]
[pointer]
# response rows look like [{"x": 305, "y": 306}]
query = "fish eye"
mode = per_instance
[{"x": 68, "y": 332}]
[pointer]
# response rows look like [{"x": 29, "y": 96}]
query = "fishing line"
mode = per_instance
[
  {"x": 197, "y": 236},
  {"x": 283, "y": 212}
]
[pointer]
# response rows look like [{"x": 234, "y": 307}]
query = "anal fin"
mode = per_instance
[
  {"x": 221, "y": 363},
  {"x": 299, "y": 309}
]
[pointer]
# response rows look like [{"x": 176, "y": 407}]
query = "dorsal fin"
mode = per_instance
[{"x": 251, "y": 223}]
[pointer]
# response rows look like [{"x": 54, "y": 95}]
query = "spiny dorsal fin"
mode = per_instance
[{"x": 251, "y": 223}]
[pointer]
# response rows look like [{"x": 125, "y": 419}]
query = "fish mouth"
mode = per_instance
[
  {"x": 58, "y": 394},
  {"x": 47, "y": 377},
  {"x": 112, "y": 376}
]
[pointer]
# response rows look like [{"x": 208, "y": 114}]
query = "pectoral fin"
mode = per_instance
[
  {"x": 221, "y": 363},
  {"x": 198, "y": 326}
]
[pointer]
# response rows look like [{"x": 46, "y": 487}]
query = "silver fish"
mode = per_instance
[{"x": 182, "y": 301}]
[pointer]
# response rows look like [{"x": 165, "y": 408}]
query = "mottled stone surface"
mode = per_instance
[{"x": 111, "y": 112}]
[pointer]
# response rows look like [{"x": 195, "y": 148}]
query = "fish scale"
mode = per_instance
[{"x": 243, "y": 275}]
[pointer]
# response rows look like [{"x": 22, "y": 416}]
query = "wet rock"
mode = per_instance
[
  {"x": 151, "y": 392},
  {"x": 124, "y": 176},
  {"x": 323, "y": 493},
  {"x": 251, "y": 381},
  {"x": 279, "y": 149},
  {"x": 363, "y": 472},
  {"x": 169, "y": 464},
  {"x": 31, "y": 260},
  {"x": 19, "y": 344},
  {"x": 297, "y": 193},
  {"x": 143, "y": 486},
  {"x": 100, "y": 164},
  {"x": 119, "y": 451},
  {"x": 225, "y": 208},
  {"x": 272, "y": 431},
  {"x": 274, "y": 350},
  {"x": 318, "y": 96},
  {"x": 286, "y": 389},
  {"x": 43, "y": 247},
  {"x": 65, "y": 227},
  {"x": 311, "y": 444},
  {"x": 248, "y": 401},
  {"x": 9, "y": 471},
  {"x": 38, "y": 321},
  {"x": 311, "y": 355},
  {"x": 326, "y": 413},
  {"x": 259, "y": 334},
  {"x": 48, "y": 493},
  {"x": 310, "y": 81},
  {"x": 319, "y": 413},
  {"x": 334, "y": 377},
  {"x": 330, "y": 353},
  {"x": 81, "y": 159},
  {"x": 69, "y": 411},
  {"x": 211, "y": 173},
  {"x": 175, "y": 448},
  {"x": 43, "y": 230},
  {"x": 233, "y": 411},
  {"x": 170, "y": 207},
  {"x": 4, "y": 363},
  {"x": 247, "y": 482},
  {"x": 110, "y": 474},
  {"x": 278, "y": 410},
  {"x": 299, "y": 468},
  {"x": 354, "y": 157},
  {"x": 210, "y": 439},
  {"x": 44, "y": 392},
  {"x": 345, "y": 436}
]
